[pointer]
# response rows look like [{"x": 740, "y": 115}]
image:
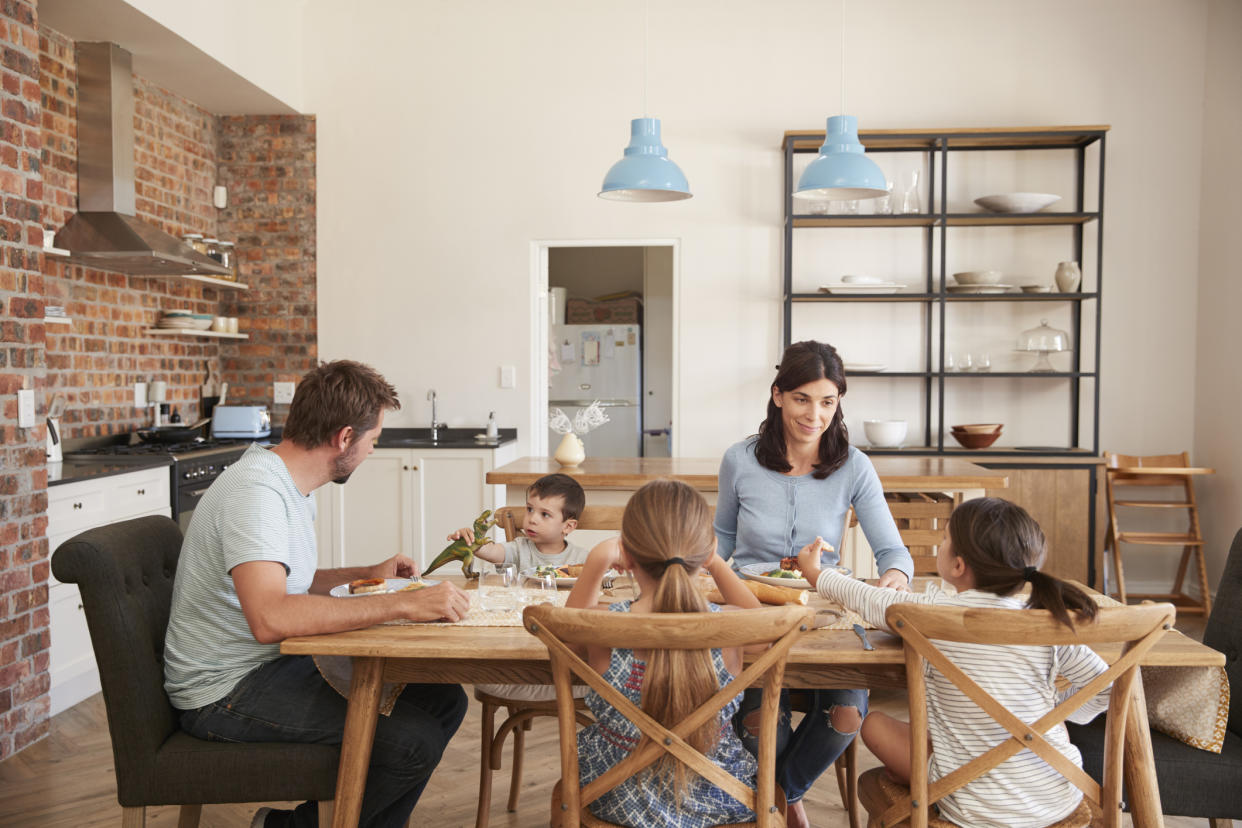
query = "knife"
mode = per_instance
[{"x": 862, "y": 636}]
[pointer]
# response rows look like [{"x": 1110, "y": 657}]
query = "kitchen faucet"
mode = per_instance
[{"x": 435, "y": 426}]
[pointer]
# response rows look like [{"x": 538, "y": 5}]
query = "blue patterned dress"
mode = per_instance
[{"x": 639, "y": 802}]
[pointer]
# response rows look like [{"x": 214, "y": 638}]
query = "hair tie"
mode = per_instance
[
  {"x": 672, "y": 561},
  {"x": 1028, "y": 573}
]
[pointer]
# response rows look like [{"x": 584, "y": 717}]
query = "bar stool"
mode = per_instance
[{"x": 1171, "y": 471}]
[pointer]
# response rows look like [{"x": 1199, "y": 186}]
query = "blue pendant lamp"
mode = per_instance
[
  {"x": 841, "y": 172},
  {"x": 645, "y": 172}
]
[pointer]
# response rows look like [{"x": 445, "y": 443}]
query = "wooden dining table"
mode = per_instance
[{"x": 821, "y": 658}]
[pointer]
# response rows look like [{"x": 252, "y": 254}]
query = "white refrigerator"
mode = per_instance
[{"x": 600, "y": 362}]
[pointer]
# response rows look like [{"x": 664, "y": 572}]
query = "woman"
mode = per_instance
[{"x": 786, "y": 489}]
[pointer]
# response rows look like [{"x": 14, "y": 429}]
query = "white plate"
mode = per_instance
[
  {"x": 978, "y": 288},
  {"x": 860, "y": 367},
  {"x": 390, "y": 585},
  {"x": 877, "y": 287},
  {"x": 1017, "y": 202},
  {"x": 755, "y": 573}
]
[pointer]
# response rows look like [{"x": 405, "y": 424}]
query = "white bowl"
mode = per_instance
[
  {"x": 1017, "y": 202},
  {"x": 861, "y": 280},
  {"x": 978, "y": 277},
  {"x": 885, "y": 433}
]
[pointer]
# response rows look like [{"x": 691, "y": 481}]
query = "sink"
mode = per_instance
[{"x": 412, "y": 442}]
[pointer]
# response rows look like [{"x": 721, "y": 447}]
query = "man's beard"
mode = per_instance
[{"x": 341, "y": 468}]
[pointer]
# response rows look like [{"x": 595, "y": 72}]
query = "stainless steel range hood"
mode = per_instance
[{"x": 105, "y": 234}]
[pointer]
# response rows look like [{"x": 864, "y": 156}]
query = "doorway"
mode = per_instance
[{"x": 604, "y": 327}]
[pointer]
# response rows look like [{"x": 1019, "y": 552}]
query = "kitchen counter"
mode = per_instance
[
  {"x": 919, "y": 474},
  {"x": 73, "y": 471},
  {"x": 448, "y": 438}
]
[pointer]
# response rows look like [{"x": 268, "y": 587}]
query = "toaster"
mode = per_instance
[{"x": 243, "y": 421}]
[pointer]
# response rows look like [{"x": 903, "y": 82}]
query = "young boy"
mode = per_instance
[{"x": 553, "y": 504}]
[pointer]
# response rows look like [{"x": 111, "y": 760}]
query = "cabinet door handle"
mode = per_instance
[
  {"x": 79, "y": 606},
  {"x": 77, "y": 505},
  {"x": 413, "y": 468},
  {"x": 142, "y": 491}
]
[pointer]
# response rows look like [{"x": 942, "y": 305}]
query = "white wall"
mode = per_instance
[
  {"x": 1218, "y": 391},
  {"x": 458, "y": 133}
]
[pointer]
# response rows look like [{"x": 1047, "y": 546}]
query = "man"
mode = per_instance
[{"x": 247, "y": 579}]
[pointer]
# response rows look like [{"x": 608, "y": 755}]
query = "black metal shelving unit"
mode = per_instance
[{"x": 938, "y": 147}]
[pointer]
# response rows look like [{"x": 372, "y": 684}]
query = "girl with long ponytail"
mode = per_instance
[{"x": 666, "y": 539}]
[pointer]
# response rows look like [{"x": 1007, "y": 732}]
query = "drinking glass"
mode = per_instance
[
  {"x": 984, "y": 363},
  {"x": 884, "y": 204},
  {"x": 537, "y": 587},
  {"x": 910, "y": 198},
  {"x": 966, "y": 363},
  {"x": 496, "y": 588}
]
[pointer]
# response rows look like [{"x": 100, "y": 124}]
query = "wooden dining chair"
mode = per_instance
[
  {"x": 1125, "y": 476},
  {"x": 520, "y": 713},
  {"x": 922, "y": 627},
  {"x": 558, "y": 627}
]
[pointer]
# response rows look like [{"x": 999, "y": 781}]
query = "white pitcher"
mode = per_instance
[{"x": 1068, "y": 276}]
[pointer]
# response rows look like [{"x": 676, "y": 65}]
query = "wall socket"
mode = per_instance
[
  {"x": 508, "y": 376},
  {"x": 282, "y": 392},
  {"x": 140, "y": 395}
]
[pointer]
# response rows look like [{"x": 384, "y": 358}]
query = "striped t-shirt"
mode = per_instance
[
  {"x": 252, "y": 512},
  {"x": 1023, "y": 791}
]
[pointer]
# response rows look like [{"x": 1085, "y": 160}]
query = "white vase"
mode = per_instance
[
  {"x": 1068, "y": 276},
  {"x": 570, "y": 452}
]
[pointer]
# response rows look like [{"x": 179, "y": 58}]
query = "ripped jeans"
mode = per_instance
[{"x": 805, "y": 753}]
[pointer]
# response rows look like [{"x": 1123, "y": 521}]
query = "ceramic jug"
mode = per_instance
[
  {"x": 1068, "y": 276},
  {"x": 570, "y": 452}
]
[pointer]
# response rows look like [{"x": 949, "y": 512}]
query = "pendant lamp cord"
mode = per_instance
[
  {"x": 646, "y": 21},
  {"x": 843, "y": 109}
]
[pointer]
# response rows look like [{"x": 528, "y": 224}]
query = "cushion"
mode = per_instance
[{"x": 1190, "y": 704}]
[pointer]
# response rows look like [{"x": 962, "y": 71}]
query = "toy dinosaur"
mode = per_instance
[{"x": 459, "y": 550}]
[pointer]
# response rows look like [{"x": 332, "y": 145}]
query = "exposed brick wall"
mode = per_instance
[
  {"x": 268, "y": 164},
  {"x": 23, "y": 476},
  {"x": 95, "y": 361}
]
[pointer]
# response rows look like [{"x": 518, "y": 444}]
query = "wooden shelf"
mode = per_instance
[
  {"x": 192, "y": 332},
  {"x": 950, "y": 297},
  {"x": 212, "y": 280},
  {"x": 1016, "y": 219},
  {"x": 951, "y": 219},
  {"x": 912, "y": 140},
  {"x": 863, "y": 297},
  {"x": 904, "y": 220},
  {"x": 57, "y": 320}
]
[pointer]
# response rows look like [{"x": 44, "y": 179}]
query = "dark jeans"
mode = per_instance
[
  {"x": 802, "y": 755},
  {"x": 286, "y": 700}
]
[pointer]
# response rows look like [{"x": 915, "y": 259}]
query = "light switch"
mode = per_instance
[
  {"x": 140, "y": 395},
  {"x": 25, "y": 408},
  {"x": 508, "y": 376},
  {"x": 282, "y": 392}
]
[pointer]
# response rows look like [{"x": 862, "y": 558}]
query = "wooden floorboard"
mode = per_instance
[{"x": 67, "y": 780}]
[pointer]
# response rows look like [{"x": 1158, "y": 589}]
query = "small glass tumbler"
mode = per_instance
[
  {"x": 983, "y": 363},
  {"x": 496, "y": 588},
  {"x": 537, "y": 587},
  {"x": 966, "y": 363}
]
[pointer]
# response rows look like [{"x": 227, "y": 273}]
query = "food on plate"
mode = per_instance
[
  {"x": 572, "y": 570},
  {"x": 413, "y": 585},
  {"x": 792, "y": 574},
  {"x": 767, "y": 594},
  {"x": 789, "y": 562},
  {"x": 564, "y": 571},
  {"x": 365, "y": 585}
]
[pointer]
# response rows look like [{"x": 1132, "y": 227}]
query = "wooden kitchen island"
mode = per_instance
[{"x": 611, "y": 481}]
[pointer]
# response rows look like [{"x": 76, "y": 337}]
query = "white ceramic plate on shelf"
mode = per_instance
[
  {"x": 1017, "y": 202},
  {"x": 390, "y": 585},
  {"x": 875, "y": 287},
  {"x": 755, "y": 573},
  {"x": 978, "y": 288},
  {"x": 864, "y": 367}
]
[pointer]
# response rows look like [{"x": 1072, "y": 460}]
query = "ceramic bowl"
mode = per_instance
[
  {"x": 885, "y": 433},
  {"x": 975, "y": 441},
  {"x": 1037, "y": 288},
  {"x": 861, "y": 280},
  {"x": 977, "y": 277},
  {"x": 978, "y": 428},
  {"x": 1017, "y": 202}
]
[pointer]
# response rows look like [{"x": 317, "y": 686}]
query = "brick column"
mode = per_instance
[{"x": 23, "y": 473}]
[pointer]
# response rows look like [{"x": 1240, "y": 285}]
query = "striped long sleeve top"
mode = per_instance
[{"x": 1024, "y": 790}]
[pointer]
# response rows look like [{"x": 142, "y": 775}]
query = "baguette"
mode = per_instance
[
  {"x": 767, "y": 594},
  {"x": 366, "y": 585}
]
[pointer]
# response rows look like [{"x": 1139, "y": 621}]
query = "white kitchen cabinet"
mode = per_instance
[
  {"x": 407, "y": 501},
  {"x": 74, "y": 508}
]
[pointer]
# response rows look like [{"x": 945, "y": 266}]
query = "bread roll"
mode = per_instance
[
  {"x": 768, "y": 594},
  {"x": 365, "y": 585}
]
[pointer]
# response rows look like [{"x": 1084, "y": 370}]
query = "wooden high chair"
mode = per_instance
[
  {"x": 558, "y": 626},
  {"x": 922, "y": 518},
  {"x": 1172, "y": 471},
  {"x": 921, "y": 627},
  {"x": 522, "y": 712}
]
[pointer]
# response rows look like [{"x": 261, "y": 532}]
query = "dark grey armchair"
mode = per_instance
[
  {"x": 125, "y": 574},
  {"x": 1193, "y": 782}
]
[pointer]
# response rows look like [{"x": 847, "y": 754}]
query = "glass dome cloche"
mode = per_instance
[{"x": 1043, "y": 340}]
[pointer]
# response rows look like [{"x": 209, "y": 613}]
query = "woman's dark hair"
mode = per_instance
[
  {"x": 1004, "y": 547},
  {"x": 801, "y": 363}
]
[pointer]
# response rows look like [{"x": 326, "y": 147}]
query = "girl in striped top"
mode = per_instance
[{"x": 993, "y": 549}]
